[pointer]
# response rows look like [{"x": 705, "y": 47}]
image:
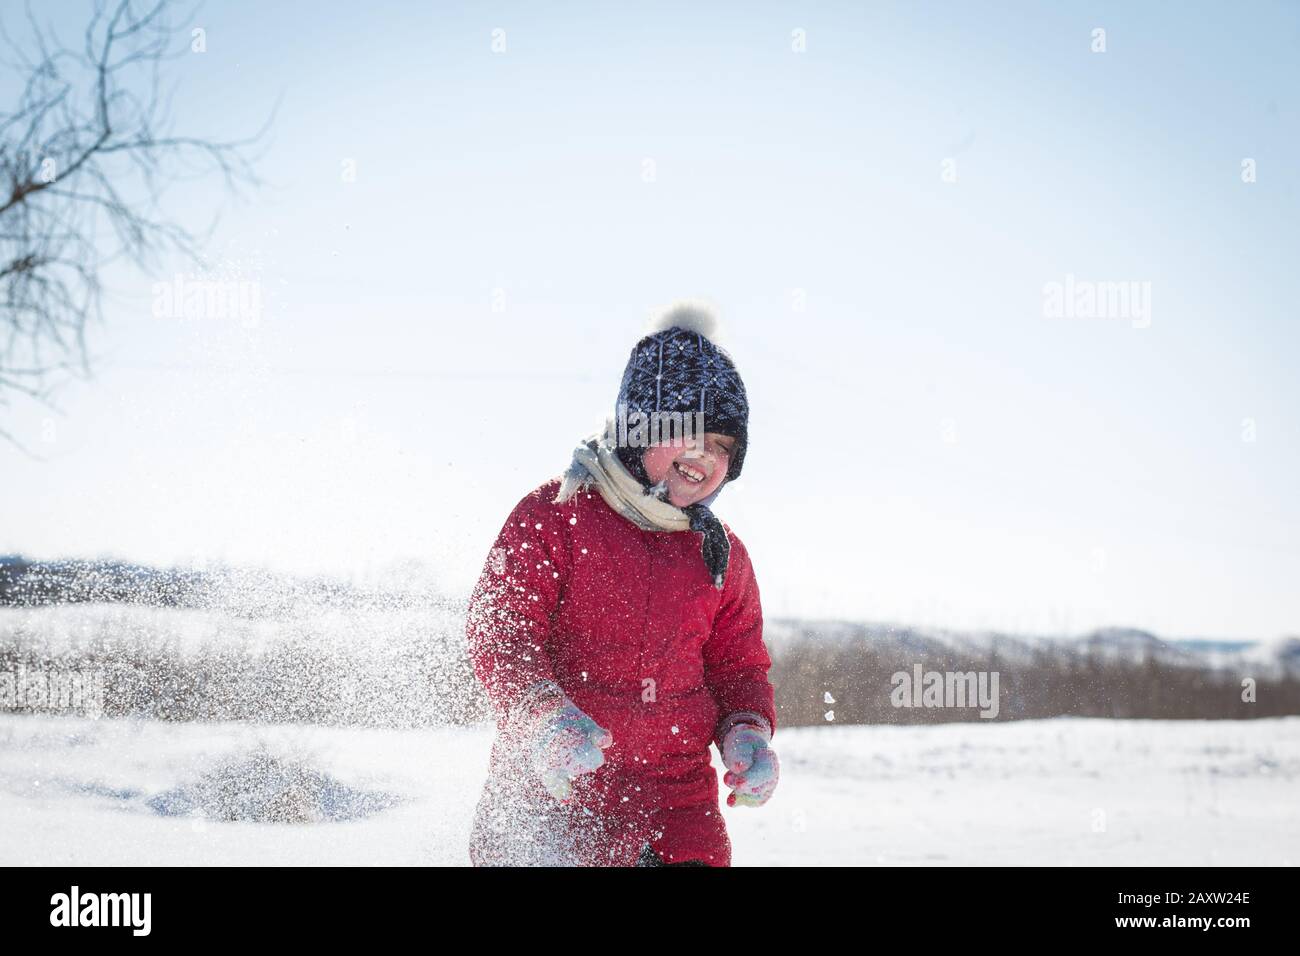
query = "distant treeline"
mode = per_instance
[
  {"x": 288, "y": 682},
  {"x": 1084, "y": 678},
  {"x": 331, "y": 656},
  {"x": 29, "y": 583}
]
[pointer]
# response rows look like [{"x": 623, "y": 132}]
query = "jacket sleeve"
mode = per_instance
[
  {"x": 736, "y": 661},
  {"x": 509, "y": 616}
]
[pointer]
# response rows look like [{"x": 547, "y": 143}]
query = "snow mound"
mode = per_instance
[{"x": 261, "y": 787}]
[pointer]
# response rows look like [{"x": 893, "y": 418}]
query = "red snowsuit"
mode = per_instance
[{"x": 630, "y": 625}]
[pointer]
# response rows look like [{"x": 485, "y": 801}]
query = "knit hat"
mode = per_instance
[{"x": 678, "y": 368}]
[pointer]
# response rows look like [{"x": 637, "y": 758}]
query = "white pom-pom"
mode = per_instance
[{"x": 690, "y": 315}]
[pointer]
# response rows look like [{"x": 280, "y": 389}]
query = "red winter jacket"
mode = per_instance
[{"x": 630, "y": 625}]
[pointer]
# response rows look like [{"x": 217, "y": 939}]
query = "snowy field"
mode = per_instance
[{"x": 76, "y": 791}]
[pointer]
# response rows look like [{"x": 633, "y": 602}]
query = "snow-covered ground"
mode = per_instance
[{"x": 1065, "y": 791}]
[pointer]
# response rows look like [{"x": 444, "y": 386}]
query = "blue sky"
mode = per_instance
[{"x": 927, "y": 445}]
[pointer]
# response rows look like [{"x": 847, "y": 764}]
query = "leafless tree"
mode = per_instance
[{"x": 86, "y": 156}]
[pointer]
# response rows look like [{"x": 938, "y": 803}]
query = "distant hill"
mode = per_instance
[{"x": 245, "y": 592}]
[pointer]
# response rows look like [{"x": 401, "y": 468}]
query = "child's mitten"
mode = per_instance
[
  {"x": 752, "y": 767},
  {"x": 566, "y": 742}
]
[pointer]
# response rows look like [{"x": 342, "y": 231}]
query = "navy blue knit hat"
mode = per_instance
[{"x": 678, "y": 368}]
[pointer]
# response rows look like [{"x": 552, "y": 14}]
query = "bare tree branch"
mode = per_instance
[{"x": 86, "y": 156}]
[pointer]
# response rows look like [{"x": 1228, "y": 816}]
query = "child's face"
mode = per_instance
[{"x": 683, "y": 465}]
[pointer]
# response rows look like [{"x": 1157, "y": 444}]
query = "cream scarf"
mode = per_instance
[{"x": 595, "y": 462}]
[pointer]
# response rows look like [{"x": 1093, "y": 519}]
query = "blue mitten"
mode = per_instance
[
  {"x": 566, "y": 742},
  {"x": 752, "y": 767}
]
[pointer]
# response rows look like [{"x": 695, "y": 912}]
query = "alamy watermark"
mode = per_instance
[
  {"x": 1085, "y": 299},
  {"x": 52, "y": 690},
  {"x": 644, "y": 429},
  {"x": 75, "y": 908},
  {"x": 946, "y": 689},
  {"x": 186, "y": 297}
]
